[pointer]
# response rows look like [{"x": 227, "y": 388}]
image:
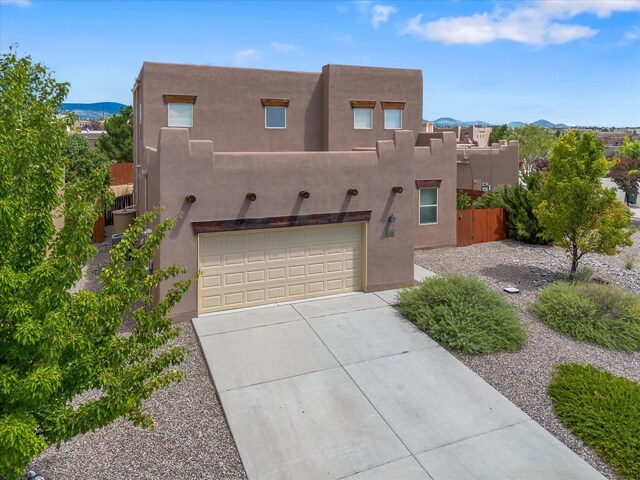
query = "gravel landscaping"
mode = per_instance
[
  {"x": 191, "y": 438},
  {"x": 523, "y": 376}
]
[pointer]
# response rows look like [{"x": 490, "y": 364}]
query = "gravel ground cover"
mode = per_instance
[
  {"x": 523, "y": 376},
  {"x": 191, "y": 438}
]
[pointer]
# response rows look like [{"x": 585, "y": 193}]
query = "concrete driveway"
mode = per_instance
[{"x": 345, "y": 387}]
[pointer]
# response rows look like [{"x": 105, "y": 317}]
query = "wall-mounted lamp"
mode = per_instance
[
  {"x": 397, "y": 189},
  {"x": 190, "y": 198},
  {"x": 303, "y": 194},
  {"x": 251, "y": 196},
  {"x": 353, "y": 192}
]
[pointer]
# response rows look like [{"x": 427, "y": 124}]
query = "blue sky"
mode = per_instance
[{"x": 570, "y": 61}]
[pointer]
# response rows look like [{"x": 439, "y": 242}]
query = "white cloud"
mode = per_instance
[
  {"x": 19, "y": 3},
  {"x": 381, "y": 13},
  {"x": 630, "y": 37},
  {"x": 378, "y": 13},
  {"x": 240, "y": 58},
  {"x": 283, "y": 47},
  {"x": 530, "y": 23}
]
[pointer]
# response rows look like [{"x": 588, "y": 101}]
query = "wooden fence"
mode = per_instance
[
  {"x": 481, "y": 225},
  {"x": 98, "y": 230},
  {"x": 121, "y": 173}
]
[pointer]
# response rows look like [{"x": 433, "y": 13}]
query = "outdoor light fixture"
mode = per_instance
[
  {"x": 251, "y": 196},
  {"x": 397, "y": 189},
  {"x": 190, "y": 198},
  {"x": 303, "y": 194},
  {"x": 353, "y": 192}
]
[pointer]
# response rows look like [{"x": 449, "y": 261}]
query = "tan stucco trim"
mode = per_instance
[
  {"x": 396, "y": 105},
  {"x": 172, "y": 98}
]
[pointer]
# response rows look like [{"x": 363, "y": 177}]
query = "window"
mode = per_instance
[
  {"x": 180, "y": 114},
  {"x": 428, "y": 206},
  {"x": 275, "y": 117},
  {"x": 392, "y": 119},
  {"x": 363, "y": 118}
]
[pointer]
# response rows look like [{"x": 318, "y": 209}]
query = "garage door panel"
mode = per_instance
[{"x": 257, "y": 267}]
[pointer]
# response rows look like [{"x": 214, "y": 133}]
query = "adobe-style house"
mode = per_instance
[{"x": 291, "y": 185}]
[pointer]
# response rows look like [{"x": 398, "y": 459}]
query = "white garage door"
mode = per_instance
[{"x": 242, "y": 269}]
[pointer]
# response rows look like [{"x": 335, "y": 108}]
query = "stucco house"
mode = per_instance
[{"x": 292, "y": 185}]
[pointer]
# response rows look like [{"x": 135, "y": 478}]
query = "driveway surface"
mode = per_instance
[{"x": 345, "y": 388}]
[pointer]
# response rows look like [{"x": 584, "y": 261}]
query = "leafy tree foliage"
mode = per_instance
[
  {"x": 117, "y": 144},
  {"x": 535, "y": 144},
  {"x": 503, "y": 132},
  {"x": 82, "y": 160},
  {"x": 490, "y": 200},
  {"x": 625, "y": 172},
  {"x": 573, "y": 207},
  {"x": 463, "y": 201},
  {"x": 55, "y": 344},
  {"x": 518, "y": 202}
]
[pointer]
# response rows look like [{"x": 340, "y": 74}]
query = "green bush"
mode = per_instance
[
  {"x": 604, "y": 315},
  {"x": 490, "y": 200},
  {"x": 518, "y": 202},
  {"x": 463, "y": 202},
  {"x": 463, "y": 314},
  {"x": 603, "y": 410}
]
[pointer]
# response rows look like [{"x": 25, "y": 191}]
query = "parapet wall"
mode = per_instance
[{"x": 221, "y": 181}]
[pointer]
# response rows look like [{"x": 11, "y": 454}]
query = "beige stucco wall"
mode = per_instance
[
  {"x": 435, "y": 158},
  {"x": 221, "y": 180},
  {"x": 498, "y": 165}
]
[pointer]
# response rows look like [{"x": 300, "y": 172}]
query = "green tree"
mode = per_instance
[
  {"x": 117, "y": 143},
  {"x": 573, "y": 207},
  {"x": 82, "y": 160},
  {"x": 535, "y": 144},
  {"x": 503, "y": 132},
  {"x": 518, "y": 202},
  {"x": 55, "y": 344}
]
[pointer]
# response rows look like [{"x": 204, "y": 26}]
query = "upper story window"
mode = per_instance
[
  {"x": 275, "y": 112},
  {"x": 393, "y": 115},
  {"x": 180, "y": 110},
  {"x": 363, "y": 114}
]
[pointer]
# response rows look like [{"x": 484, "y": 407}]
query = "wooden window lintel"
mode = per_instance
[
  {"x": 429, "y": 183},
  {"x": 398, "y": 105},
  {"x": 363, "y": 103},
  {"x": 172, "y": 98},
  {"x": 275, "y": 102}
]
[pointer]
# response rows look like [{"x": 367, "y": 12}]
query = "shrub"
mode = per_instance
[
  {"x": 601, "y": 314},
  {"x": 463, "y": 202},
  {"x": 489, "y": 200},
  {"x": 603, "y": 410},
  {"x": 463, "y": 314},
  {"x": 518, "y": 202}
]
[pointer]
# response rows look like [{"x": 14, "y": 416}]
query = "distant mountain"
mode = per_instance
[
  {"x": 448, "y": 122},
  {"x": 544, "y": 123},
  {"x": 90, "y": 111},
  {"x": 475, "y": 123}
]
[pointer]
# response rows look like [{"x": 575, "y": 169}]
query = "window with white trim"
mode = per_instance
[
  {"x": 428, "y": 206},
  {"x": 363, "y": 118},
  {"x": 392, "y": 118},
  {"x": 180, "y": 114},
  {"x": 275, "y": 117}
]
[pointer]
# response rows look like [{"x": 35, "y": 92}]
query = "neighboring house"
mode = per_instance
[
  {"x": 92, "y": 136},
  {"x": 614, "y": 140},
  {"x": 291, "y": 185},
  {"x": 471, "y": 135},
  {"x": 484, "y": 168}
]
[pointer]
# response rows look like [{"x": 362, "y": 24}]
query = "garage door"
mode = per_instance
[{"x": 243, "y": 269}]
